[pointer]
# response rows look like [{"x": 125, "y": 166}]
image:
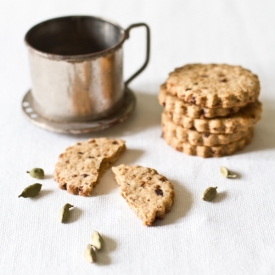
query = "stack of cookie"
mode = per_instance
[{"x": 209, "y": 110}]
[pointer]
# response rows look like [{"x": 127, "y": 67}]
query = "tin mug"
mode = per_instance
[{"x": 76, "y": 65}]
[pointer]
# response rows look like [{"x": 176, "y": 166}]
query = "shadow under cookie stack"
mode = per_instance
[{"x": 209, "y": 110}]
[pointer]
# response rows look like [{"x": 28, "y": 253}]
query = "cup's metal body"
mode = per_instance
[
  {"x": 76, "y": 91},
  {"x": 76, "y": 66}
]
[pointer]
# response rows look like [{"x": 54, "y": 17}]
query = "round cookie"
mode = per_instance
[
  {"x": 180, "y": 107},
  {"x": 171, "y": 130},
  {"x": 209, "y": 151},
  {"x": 245, "y": 118},
  {"x": 214, "y": 85},
  {"x": 148, "y": 193}
]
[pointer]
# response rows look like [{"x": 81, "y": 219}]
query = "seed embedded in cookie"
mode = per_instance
[
  {"x": 81, "y": 165},
  {"x": 148, "y": 193}
]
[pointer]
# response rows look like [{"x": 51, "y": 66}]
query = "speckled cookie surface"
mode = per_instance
[
  {"x": 80, "y": 166},
  {"x": 245, "y": 118},
  {"x": 214, "y": 85},
  {"x": 148, "y": 193},
  {"x": 209, "y": 151},
  {"x": 180, "y": 107},
  {"x": 171, "y": 130}
]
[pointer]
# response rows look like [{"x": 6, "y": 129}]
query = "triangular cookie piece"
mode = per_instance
[
  {"x": 148, "y": 193},
  {"x": 80, "y": 166}
]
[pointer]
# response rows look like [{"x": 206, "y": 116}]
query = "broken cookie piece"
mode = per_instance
[
  {"x": 81, "y": 165},
  {"x": 148, "y": 193}
]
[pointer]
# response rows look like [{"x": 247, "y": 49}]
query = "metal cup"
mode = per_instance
[{"x": 76, "y": 65}]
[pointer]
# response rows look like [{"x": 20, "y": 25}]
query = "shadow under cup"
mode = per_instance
[{"x": 76, "y": 66}]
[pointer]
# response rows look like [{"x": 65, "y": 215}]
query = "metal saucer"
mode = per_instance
[{"x": 122, "y": 114}]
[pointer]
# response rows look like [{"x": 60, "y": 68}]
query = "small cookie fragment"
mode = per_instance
[
  {"x": 148, "y": 193},
  {"x": 80, "y": 166}
]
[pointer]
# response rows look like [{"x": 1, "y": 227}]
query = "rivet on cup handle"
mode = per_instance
[{"x": 127, "y": 31}]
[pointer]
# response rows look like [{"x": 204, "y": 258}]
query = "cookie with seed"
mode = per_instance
[
  {"x": 80, "y": 166},
  {"x": 180, "y": 107},
  {"x": 148, "y": 193},
  {"x": 172, "y": 130},
  {"x": 244, "y": 119},
  {"x": 209, "y": 151},
  {"x": 214, "y": 85}
]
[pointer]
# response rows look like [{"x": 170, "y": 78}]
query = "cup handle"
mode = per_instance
[{"x": 127, "y": 31}]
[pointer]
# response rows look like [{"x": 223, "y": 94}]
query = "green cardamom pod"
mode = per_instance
[
  {"x": 89, "y": 254},
  {"x": 96, "y": 240},
  {"x": 65, "y": 212},
  {"x": 225, "y": 173},
  {"x": 31, "y": 191},
  {"x": 37, "y": 173},
  {"x": 209, "y": 194}
]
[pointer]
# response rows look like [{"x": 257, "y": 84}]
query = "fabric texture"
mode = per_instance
[{"x": 234, "y": 234}]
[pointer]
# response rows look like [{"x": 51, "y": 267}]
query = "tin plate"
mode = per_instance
[{"x": 122, "y": 114}]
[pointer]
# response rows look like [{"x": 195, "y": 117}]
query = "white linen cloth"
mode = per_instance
[{"x": 233, "y": 235}]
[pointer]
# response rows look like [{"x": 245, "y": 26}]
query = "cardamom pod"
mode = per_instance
[
  {"x": 37, "y": 173},
  {"x": 89, "y": 254},
  {"x": 225, "y": 173},
  {"x": 31, "y": 191},
  {"x": 209, "y": 194},
  {"x": 96, "y": 240},
  {"x": 65, "y": 212}
]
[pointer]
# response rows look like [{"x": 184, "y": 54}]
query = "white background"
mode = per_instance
[{"x": 233, "y": 235}]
